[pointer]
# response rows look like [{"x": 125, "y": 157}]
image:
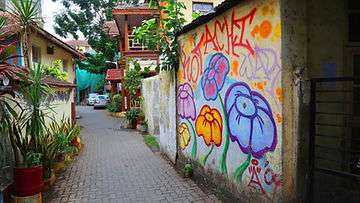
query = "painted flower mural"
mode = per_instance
[
  {"x": 187, "y": 110},
  {"x": 183, "y": 135},
  {"x": 214, "y": 75},
  {"x": 212, "y": 81},
  {"x": 209, "y": 126},
  {"x": 185, "y": 102},
  {"x": 250, "y": 120}
]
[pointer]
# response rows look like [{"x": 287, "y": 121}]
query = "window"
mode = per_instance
[
  {"x": 36, "y": 54},
  {"x": 354, "y": 20},
  {"x": 201, "y": 7}
]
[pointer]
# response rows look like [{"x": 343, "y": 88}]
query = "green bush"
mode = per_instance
[
  {"x": 56, "y": 70},
  {"x": 132, "y": 114},
  {"x": 115, "y": 104}
]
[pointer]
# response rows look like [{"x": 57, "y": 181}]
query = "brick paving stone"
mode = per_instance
[{"x": 116, "y": 166}]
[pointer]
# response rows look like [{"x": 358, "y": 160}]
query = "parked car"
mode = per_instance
[
  {"x": 106, "y": 96},
  {"x": 100, "y": 102},
  {"x": 91, "y": 98}
]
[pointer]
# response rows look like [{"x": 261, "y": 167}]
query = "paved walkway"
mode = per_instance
[{"x": 116, "y": 166}]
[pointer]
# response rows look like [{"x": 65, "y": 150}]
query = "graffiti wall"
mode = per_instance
[{"x": 229, "y": 96}]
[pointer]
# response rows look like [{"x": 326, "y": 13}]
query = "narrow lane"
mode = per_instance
[{"x": 116, "y": 166}]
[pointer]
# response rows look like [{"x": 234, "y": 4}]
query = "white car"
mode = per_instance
[
  {"x": 100, "y": 101},
  {"x": 91, "y": 98}
]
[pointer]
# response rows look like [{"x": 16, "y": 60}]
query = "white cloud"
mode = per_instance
[{"x": 49, "y": 10}]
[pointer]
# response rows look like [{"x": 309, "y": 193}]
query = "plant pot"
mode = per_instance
[
  {"x": 28, "y": 181},
  {"x": 49, "y": 182},
  {"x": 133, "y": 124},
  {"x": 59, "y": 167}
]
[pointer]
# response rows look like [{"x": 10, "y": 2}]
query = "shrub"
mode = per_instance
[
  {"x": 115, "y": 104},
  {"x": 132, "y": 114}
]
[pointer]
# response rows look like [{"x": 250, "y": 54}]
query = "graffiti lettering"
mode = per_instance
[{"x": 210, "y": 40}]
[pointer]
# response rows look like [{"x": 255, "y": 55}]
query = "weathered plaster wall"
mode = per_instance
[
  {"x": 168, "y": 114},
  {"x": 296, "y": 100},
  {"x": 230, "y": 99},
  {"x": 160, "y": 110},
  {"x": 150, "y": 91},
  {"x": 327, "y": 37}
]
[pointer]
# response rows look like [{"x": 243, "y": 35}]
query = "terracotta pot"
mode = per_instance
[
  {"x": 134, "y": 124},
  {"x": 28, "y": 181}
]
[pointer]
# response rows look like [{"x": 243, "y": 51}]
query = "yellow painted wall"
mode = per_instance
[
  {"x": 60, "y": 107},
  {"x": 188, "y": 5}
]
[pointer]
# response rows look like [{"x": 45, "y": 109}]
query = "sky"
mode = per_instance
[{"x": 49, "y": 10}]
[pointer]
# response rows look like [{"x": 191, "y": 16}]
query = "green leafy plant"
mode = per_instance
[
  {"x": 195, "y": 15},
  {"x": 132, "y": 79},
  {"x": 56, "y": 70},
  {"x": 27, "y": 12},
  {"x": 27, "y": 130},
  {"x": 188, "y": 170},
  {"x": 99, "y": 87},
  {"x": 32, "y": 159},
  {"x": 163, "y": 37},
  {"x": 115, "y": 104},
  {"x": 132, "y": 114},
  {"x": 151, "y": 141}
]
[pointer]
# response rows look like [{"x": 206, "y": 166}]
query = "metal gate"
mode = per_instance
[{"x": 335, "y": 140}]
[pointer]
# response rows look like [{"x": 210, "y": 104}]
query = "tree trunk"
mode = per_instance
[{"x": 26, "y": 48}]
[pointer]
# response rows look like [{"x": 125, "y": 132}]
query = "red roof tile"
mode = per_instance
[
  {"x": 114, "y": 74},
  {"x": 51, "y": 81}
]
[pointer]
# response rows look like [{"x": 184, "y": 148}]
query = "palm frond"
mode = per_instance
[{"x": 27, "y": 11}]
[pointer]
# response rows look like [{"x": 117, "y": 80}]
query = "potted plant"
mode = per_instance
[{"x": 131, "y": 116}]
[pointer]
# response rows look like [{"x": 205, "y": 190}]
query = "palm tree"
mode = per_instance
[{"x": 27, "y": 13}]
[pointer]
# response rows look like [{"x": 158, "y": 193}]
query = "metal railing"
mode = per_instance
[{"x": 334, "y": 156}]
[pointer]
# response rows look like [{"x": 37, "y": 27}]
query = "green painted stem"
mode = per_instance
[
  {"x": 194, "y": 147},
  {"x": 223, "y": 166},
  {"x": 207, "y": 155},
  {"x": 241, "y": 169}
]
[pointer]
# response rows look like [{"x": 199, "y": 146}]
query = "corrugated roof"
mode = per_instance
[{"x": 220, "y": 9}]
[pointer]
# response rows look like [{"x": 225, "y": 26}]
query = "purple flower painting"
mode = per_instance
[
  {"x": 250, "y": 120},
  {"x": 185, "y": 102},
  {"x": 214, "y": 76}
]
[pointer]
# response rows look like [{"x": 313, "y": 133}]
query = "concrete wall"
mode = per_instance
[
  {"x": 168, "y": 114},
  {"x": 230, "y": 99},
  {"x": 150, "y": 91},
  {"x": 159, "y": 107}
]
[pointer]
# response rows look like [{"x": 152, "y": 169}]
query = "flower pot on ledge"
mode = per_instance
[{"x": 28, "y": 181}]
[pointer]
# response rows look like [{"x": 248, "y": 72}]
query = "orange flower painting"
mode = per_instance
[{"x": 209, "y": 126}]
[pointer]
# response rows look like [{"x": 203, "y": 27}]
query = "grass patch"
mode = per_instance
[{"x": 151, "y": 141}]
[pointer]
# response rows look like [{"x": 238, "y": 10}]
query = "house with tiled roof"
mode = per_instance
[{"x": 45, "y": 48}]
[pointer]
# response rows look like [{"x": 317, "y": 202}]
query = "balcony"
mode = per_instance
[{"x": 135, "y": 45}]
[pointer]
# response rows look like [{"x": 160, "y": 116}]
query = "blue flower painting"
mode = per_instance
[{"x": 250, "y": 120}]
